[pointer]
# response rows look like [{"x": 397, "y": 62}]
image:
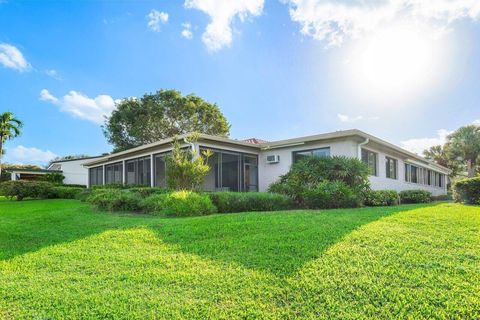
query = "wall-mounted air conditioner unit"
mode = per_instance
[{"x": 273, "y": 158}]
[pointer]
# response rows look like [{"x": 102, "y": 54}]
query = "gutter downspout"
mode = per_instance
[
  {"x": 192, "y": 146},
  {"x": 360, "y": 145}
]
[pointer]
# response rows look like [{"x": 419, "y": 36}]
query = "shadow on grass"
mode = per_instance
[
  {"x": 278, "y": 243},
  {"x": 27, "y": 226}
]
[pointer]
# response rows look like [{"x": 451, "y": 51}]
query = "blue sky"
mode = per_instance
[{"x": 403, "y": 70}]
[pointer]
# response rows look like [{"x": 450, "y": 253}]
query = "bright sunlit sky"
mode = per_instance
[{"x": 407, "y": 71}]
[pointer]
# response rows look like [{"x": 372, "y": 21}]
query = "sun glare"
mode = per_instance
[{"x": 395, "y": 62}]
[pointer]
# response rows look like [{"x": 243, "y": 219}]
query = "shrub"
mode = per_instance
[
  {"x": 377, "y": 198},
  {"x": 443, "y": 197},
  {"x": 75, "y": 185},
  {"x": 467, "y": 191},
  {"x": 331, "y": 194},
  {"x": 114, "y": 200},
  {"x": 227, "y": 202},
  {"x": 109, "y": 186},
  {"x": 62, "y": 192},
  {"x": 144, "y": 192},
  {"x": 21, "y": 189},
  {"x": 179, "y": 203},
  {"x": 306, "y": 175},
  {"x": 415, "y": 196},
  {"x": 54, "y": 177},
  {"x": 83, "y": 195}
]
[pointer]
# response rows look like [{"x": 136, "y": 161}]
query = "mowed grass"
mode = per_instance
[{"x": 59, "y": 259}]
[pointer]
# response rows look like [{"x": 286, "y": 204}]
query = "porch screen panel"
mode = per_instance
[{"x": 230, "y": 171}]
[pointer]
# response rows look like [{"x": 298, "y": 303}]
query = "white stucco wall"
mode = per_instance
[
  {"x": 74, "y": 171},
  {"x": 381, "y": 182},
  {"x": 269, "y": 173}
]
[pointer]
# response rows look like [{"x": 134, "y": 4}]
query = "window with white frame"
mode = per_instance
[{"x": 391, "y": 167}]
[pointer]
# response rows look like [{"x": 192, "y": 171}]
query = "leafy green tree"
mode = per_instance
[
  {"x": 162, "y": 115},
  {"x": 186, "y": 170},
  {"x": 441, "y": 155},
  {"x": 464, "y": 144},
  {"x": 9, "y": 129}
]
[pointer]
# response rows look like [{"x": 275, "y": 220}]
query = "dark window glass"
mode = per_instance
[
  {"x": 321, "y": 152},
  {"x": 114, "y": 173},
  {"x": 370, "y": 159},
  {"x": 96, "y": 176},
  {"x": 160, "y": 171},
  {"x": 138, "y": 171},
  {"x": 391, "y": 168},
  {"x": 413, "y": 174}
]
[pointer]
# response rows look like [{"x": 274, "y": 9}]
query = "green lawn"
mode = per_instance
[{"x": 59, "y": 259}]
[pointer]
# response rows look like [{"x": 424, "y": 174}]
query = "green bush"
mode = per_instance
[
  {"x": 109, "y": 186},
  {"x": 54, "y": 177},
  {"x": 467, "y": 191},
  {"x": 306, "y": 175},
  {"x": 144, "y": 192},
  {"x": 377, "y": 198},
  {"x": 331, "y": 194},
  {"x": 75, "y": 185},
  {"x": 227, "y": 202},
  {"x": 443, "y": 197},
  {"x": 21, "y": 189},
  {"x": 114, "y": 200},
  {"x": 415, "y": 196},
  {"x": 83, "y": 195},
  {"x": 62, "y": 192},
  {"x": 179, "y": 203}
]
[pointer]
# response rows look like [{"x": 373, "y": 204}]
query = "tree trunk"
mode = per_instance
[{"x": 471, "y": 168}]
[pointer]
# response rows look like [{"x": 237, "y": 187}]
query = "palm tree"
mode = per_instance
[
  {"x": 465, "y": 144},
  {"x": 9, "y": 129}
]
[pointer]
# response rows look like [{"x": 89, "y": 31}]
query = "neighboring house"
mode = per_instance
[
  {"x": 253, "y": 164},
  {"x": 73, "y": 170}
]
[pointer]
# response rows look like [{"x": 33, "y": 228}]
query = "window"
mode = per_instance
[
  {"x": 138, "y": 171},
  {"x": 411, "y": 173},
  {"x": 391, "y": 168},
  {"x": 160, "y": 171},
  {"x": 231, "y": 171},
  {"x": 321, "y": 152},
  {"x": 114, "y": 173},
  {"x": 370, "y": 159},
  {"x": 96, "y": 176}
]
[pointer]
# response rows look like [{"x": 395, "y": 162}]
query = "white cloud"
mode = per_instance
[
  {"x": 11, "y": 57},
  {"x": 418, "y": 145},
  {"x": 81, "y": 106},
  {"x": 350, "y": 119},
  {"x": 335, "y": 20},
  {"x": 155, "y": 18},
  {"x": 218, "y": 33},
  {"x": 28, "y": 155},
  {"x": 53, "y": 73},
  {"x": 187, "y": 30},
  {"x": 476, "y": 122}
]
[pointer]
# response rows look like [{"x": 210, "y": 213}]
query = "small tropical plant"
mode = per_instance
[
  {"x": 9, "y": 129},
  {"x": 186, "y": 170}
]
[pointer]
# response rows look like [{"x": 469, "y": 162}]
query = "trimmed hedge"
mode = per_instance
[
  {"x": 62, "y": 192},
  {"x": 179, "y": 204},
  {"x": 415, "y": 196},
  {"x": 467, "y": 191},
  {"x": 114, "y": 200},
  {"x": 228, "y": 202},
  {"x": 147, "y": 191},
  {"x": 378, "y": 198},
  {"x": 21, "y": 189},
  {"x": 330, "y": 195}
]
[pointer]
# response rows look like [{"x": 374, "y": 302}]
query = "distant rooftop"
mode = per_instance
[{"x": 255, "y": 141}]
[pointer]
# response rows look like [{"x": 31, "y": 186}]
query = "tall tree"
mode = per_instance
[
  {"x": 9, "y": 129},
  {"x": 464, "y": 144},
  {"x": 441, "y": 155},
  {"x": 162, "y": 115}
]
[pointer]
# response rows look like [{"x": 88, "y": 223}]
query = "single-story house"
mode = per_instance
[
  {"x": 73, "y": 170},
  {"x": 253, "y": 164}
]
